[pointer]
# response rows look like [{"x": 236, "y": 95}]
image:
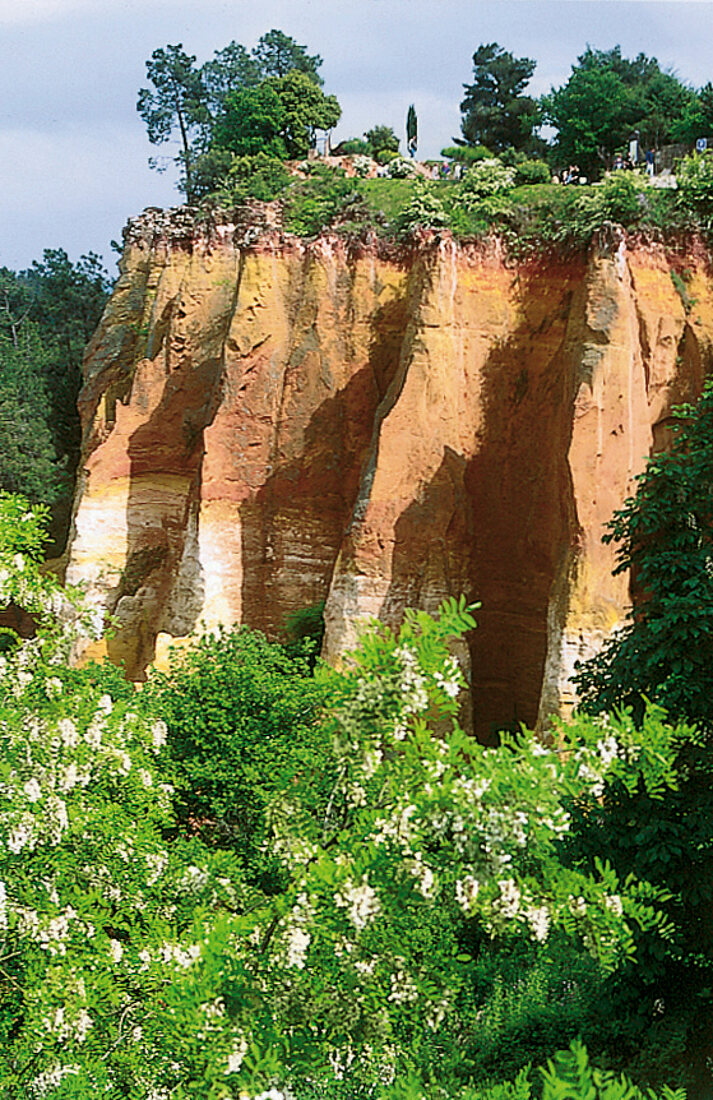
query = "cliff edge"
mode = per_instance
[{"x": 270, "y": 422}]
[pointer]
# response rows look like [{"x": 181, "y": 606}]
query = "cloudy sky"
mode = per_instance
[{"x": 73, "y": 150}]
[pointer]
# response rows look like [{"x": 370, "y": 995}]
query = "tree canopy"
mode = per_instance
[
  {"x": 606, "y": 99},
  {"x": 47, "y": 315},
  {"x": 495, "y": 111},
  {"x": 268, "y": 99},
  {"x": 178, "y": 100},
  {"x": 276, "y": 54}
]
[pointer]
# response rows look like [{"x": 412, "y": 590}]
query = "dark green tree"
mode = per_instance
[
  {"x": 606, "y": 99},
  {"x": 382, "y": 139},
  {"x": 495, "y": 112},
  {"x": 252, "y": 122},
  {"x": 306, "y": 109},
  {"x": 178, "y": 100},
  {"x": 67, "y": 302},
  {"x": 243, "y": 726},
  {"x": 696, "y": 121},
  {"x": 29, "y": 463},
  {"x": 411, "y": 129},
  {"x": 47, "y": 315},
  {"x": 231, "y": 69},
  {"x": 664, "y": 536},
  {"x": 276, "y": 54},
  {"x": 278, "y": 117}
]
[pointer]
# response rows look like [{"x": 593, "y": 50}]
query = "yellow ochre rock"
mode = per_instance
[{"x": 270, "y": 422}]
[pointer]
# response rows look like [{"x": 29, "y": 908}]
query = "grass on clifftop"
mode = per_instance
[{"x": 484, "y": 201}]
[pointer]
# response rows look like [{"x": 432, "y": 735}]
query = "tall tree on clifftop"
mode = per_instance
[
  {"x": 606, "y": 99},
  {"x": 178, "y": 99},
  {"x": 276, "y": 54},
  {"x": 411, "y": 130},
  {"x": 205, "y": 105},
  {"x": 495, "y": 112}
]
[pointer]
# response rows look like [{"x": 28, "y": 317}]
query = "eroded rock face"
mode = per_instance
[{"x": 269, "y": 423}]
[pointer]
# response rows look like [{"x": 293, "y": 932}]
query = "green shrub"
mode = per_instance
[
  {"x": 423, "y": 209},
  {"x": 382, "y": 139},
  {"x": 484, "y": 180},
  {"x": 305, "y": 632},
  {"x": 314, "y": 204},
  {"x": 619, "y": 198},
  {"x": 532, "y": 171},
  {"x": 243, "y": 726},
  {"x": 520, "y": 1003},
  {"x": 511, "y": 158},
  {"x": 355, "y": 147},
  {"x": 569, "y": 1075},
  {"x": 694, "y": 177},
  {"x": 664, "y": 535},
  {"x": 385, "y": 156},
  {"x": 261, "y": 177},
  {"x": 466, "y": 154},
  {"x": 399, "y": 168}
]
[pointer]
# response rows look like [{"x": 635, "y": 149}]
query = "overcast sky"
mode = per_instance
[{"x": 73, "y": 150}]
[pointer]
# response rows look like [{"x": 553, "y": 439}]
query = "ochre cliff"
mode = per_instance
[{"x": 270, "y": 422}]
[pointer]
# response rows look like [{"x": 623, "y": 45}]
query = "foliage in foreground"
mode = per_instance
[
  {"x": 139, "y": 960},
  {"x": 242, "y": 718},
  {"x": 569, "y": 1075},
  {"x": 664, "y": 535}
]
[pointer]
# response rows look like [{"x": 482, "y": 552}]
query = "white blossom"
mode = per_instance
[
  {"x": 235, "y": 1058},
  {"x": 578, "y": 906},
  {"x": 53, "y": 687},
  {"x": 297, "y": 944},
  {"x": 194, "y": 879},
  {"x": 184, "y": 957},
  {"x": 22, "y": 835},
  {"x": 50, "y": 1079},
  {"x": 361, "y": 901},
  {"x": 466, "y": 892},
  {"x": 424, "y": 874},
  {"x": 82, "y": 1025},
  {"x": 613, "y": 903},
  {"x": 69, "y": 778},
  {"x": 157, "y": 862},
  {"x": 508, "y": 903},
  {"x": 32, "y": 789},
  {"x": 608, "y": 749},
  {"x": 68, "y": 732},
  {"x": 402, "y": 988},
  {"x": 539, "y": 920},
  {"x": 158, "y": 734},
  {"x": 116, "y": 951}
]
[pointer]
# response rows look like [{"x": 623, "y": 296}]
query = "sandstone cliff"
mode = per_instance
[{"x": 270, "y": 422}]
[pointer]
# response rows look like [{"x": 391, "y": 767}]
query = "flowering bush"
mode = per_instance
[
  {"x": 424, "y": 209},
  {"x": 399, "y": 168},
  {"x": 362, "y": 164},
  {"x": 484, "y": 180},
  {"x": 694, "y": 177},
  {"x": 137, "y": 961}
]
